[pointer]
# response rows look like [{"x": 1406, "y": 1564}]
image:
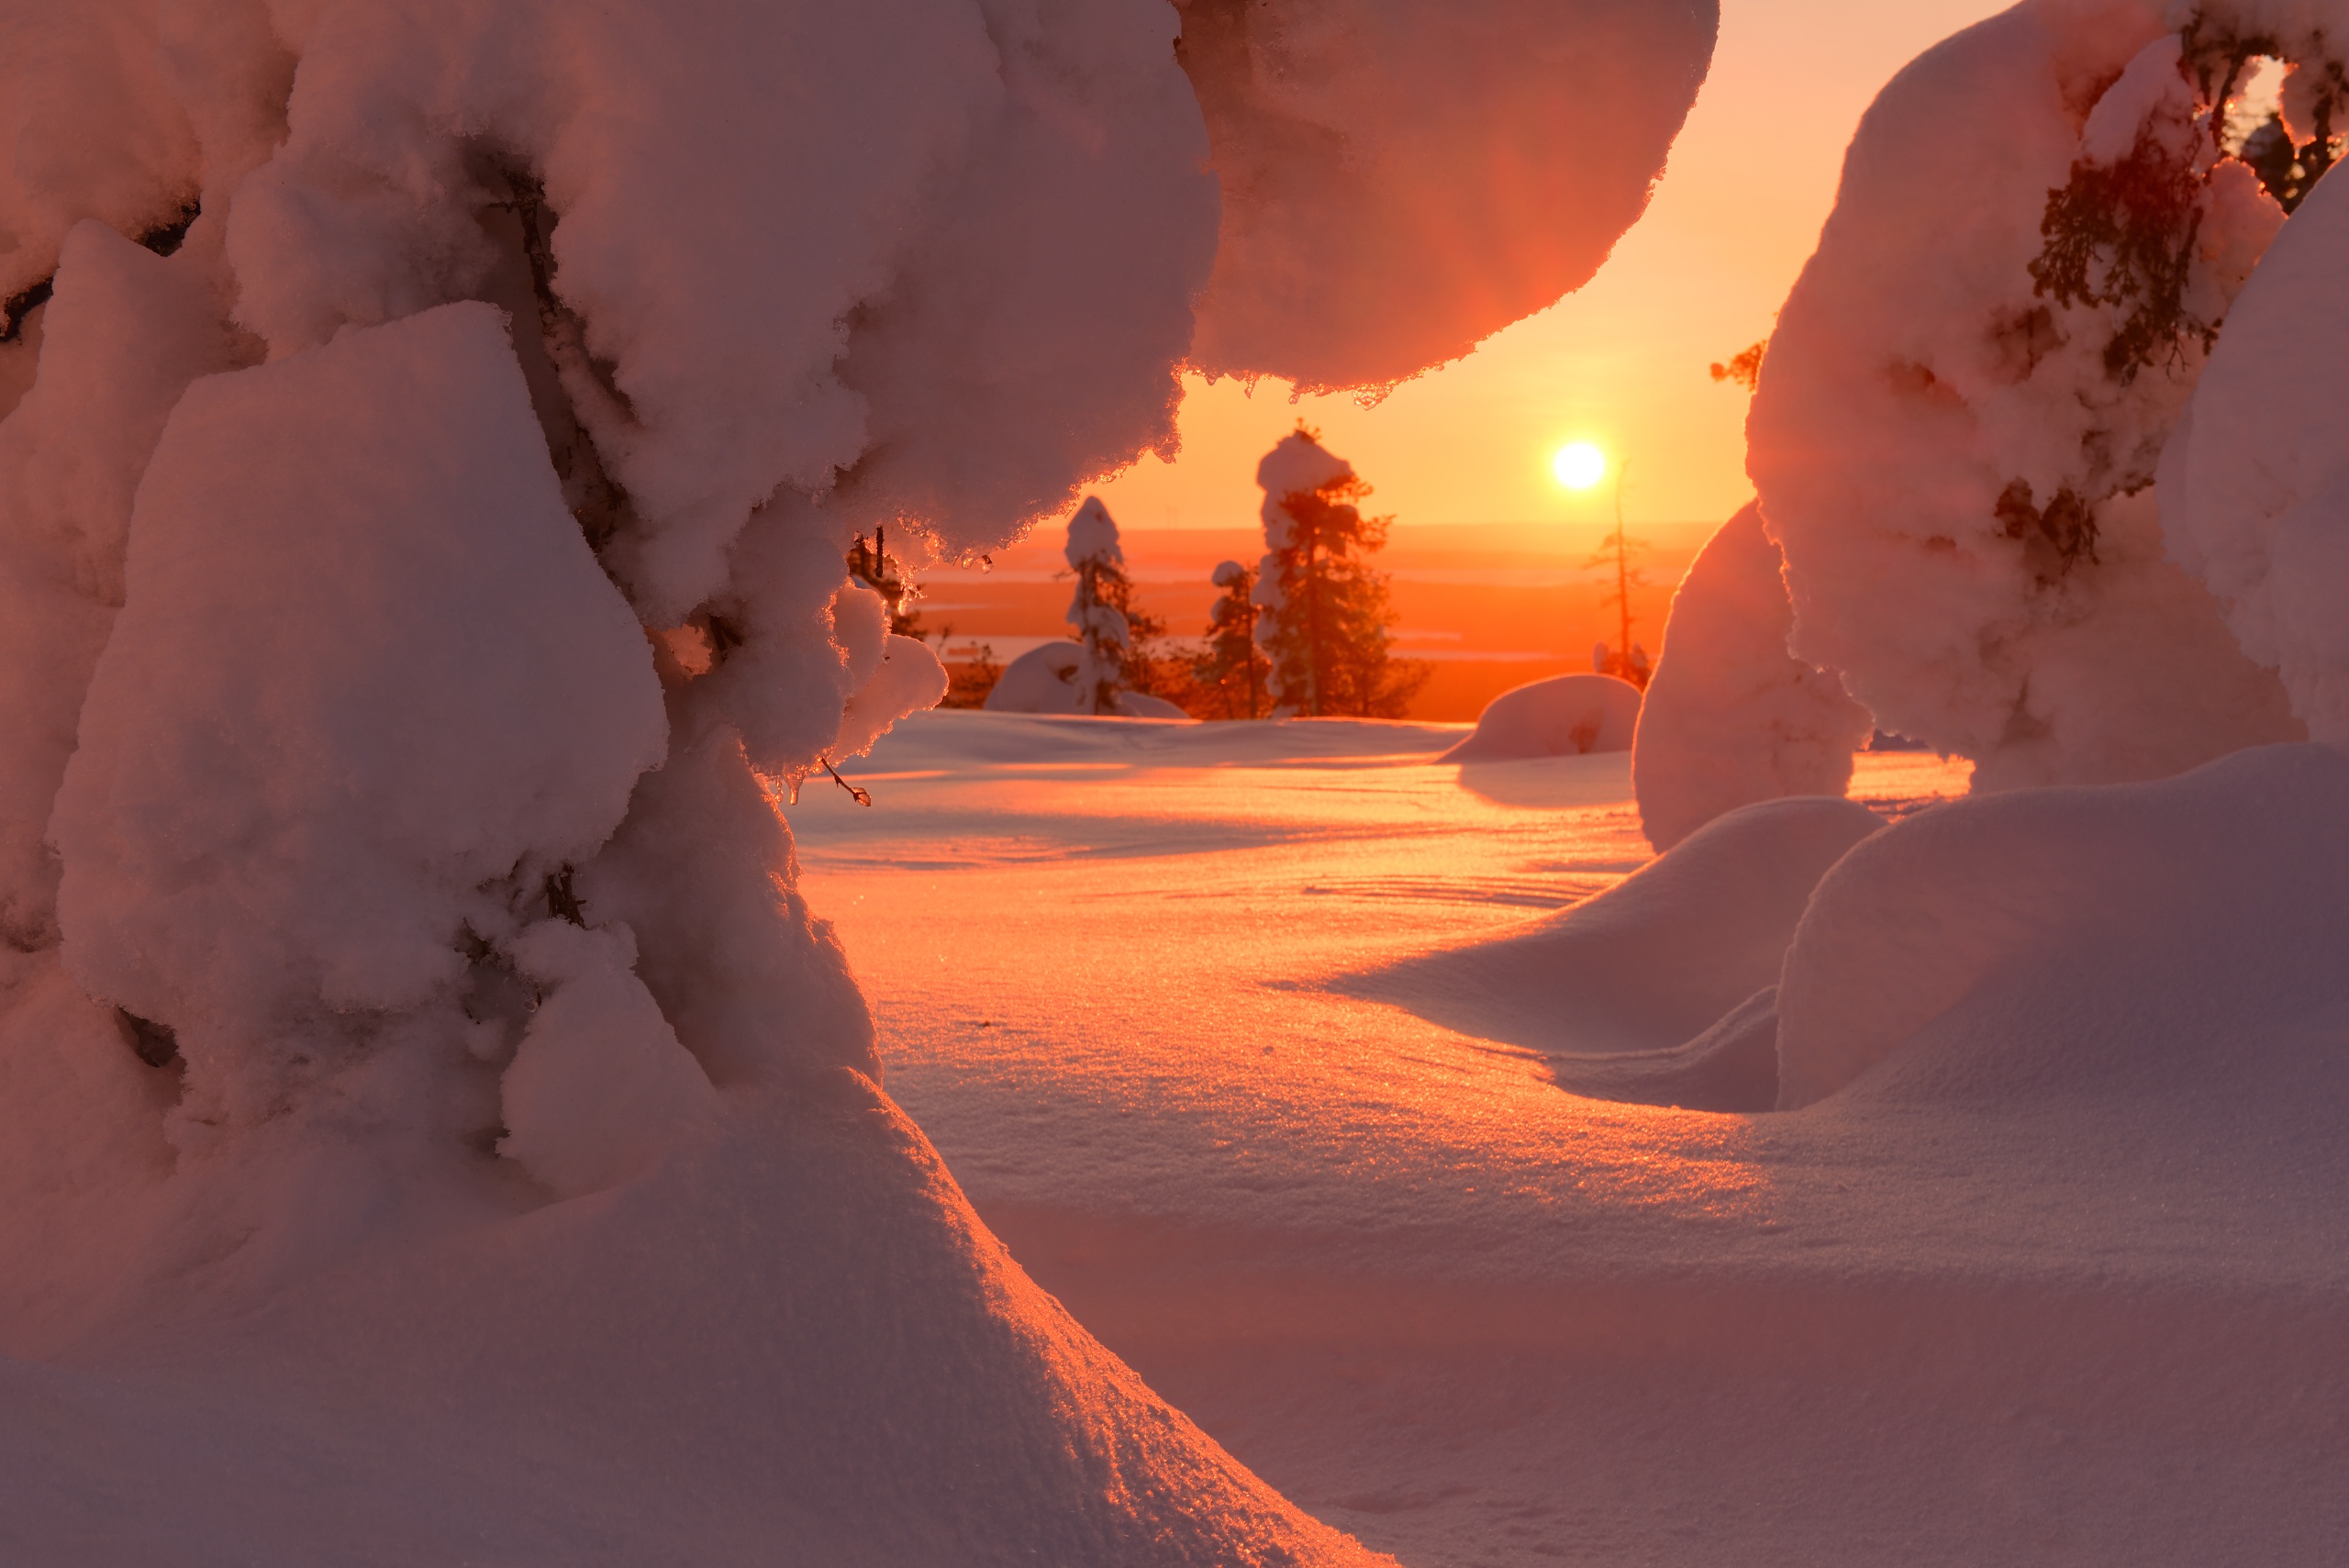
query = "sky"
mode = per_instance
[{"x": 1623, "y": 362}]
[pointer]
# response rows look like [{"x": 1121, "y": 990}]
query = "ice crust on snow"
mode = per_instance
[
  {"x": 1916, "y": 383},
  {"x": 1564, "y": 716},
  {"x": 1729, "y": 717}
]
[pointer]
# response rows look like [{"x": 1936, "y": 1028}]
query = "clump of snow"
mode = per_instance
[
  {"x": 2078, "y": 938},
  {"x": 600, "y": 1088},
  {"x": 1731, "y": 717},
  {"x": 1399, "y": 180},
  {"x": 368, "y": 689},
  {"x": 1621, "y": 992},
  {"x": 1564, "y": 716},
  {"x": 1957, "y": 456},
  {"x": 2255, "y": 487}
]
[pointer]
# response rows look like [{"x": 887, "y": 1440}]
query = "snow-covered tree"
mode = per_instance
[
  {"x": 1102, "y": 632},
  {"x": 1963, "y": 409},
  {"x": 1323, "y": 615},
  {"x": 431, "y": 437},
  {"x": 1233, "y": 671}
]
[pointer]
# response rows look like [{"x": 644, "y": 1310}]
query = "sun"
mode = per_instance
[{"x": 1579, "y": 466}]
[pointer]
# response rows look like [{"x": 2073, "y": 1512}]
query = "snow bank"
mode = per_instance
[
  {"x": 1566, "y": 716},
  {"x": 1731, "y": 717},
  {"x": 2255, "y": 487},
  {"x": 1400, "y": 180},
  {"x": 1958, "y": 465},
  {"x": 2083, "y": 940},
  {"x": 1616, "y": 991}
]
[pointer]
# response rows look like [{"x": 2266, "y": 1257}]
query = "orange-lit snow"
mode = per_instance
[{"x": 1441, "y": 1303}]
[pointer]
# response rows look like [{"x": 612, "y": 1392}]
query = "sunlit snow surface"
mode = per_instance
[{"x": 1472, "y": 1319}]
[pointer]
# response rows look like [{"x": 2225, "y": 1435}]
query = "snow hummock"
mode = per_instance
[
  {"x": 1729, "y": 717},
  {"x": 1564, "y": 716},
  {"x": 1650, "y": 967}
]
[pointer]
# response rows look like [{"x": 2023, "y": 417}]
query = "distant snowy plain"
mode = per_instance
[{"x": 1956, "y": 1314}]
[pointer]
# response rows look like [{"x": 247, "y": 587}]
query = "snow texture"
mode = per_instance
[
  {"x": 1729, "y": 717},
  {"x": 1960, "y": 479},
  {"x": 2254, "y": 488},
  {"x": 1399, "y": 179},
  {"x": 1564, "y": 716}
]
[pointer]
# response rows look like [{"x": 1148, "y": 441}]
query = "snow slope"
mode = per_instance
[{"x": 1477, "y": 1321}]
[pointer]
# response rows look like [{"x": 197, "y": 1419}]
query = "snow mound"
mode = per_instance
[
  {"x": 1958, "y": 462},
  {"x": 1632, "y": 993},
  {"x": 1729, "y": 717},
  {"x": 1400, "y": 179},
  {"x": 1566, "y": 716},
  {"x": 1044, "y": 680},
  {"x": 2088, "y": 941},
  {"x": 784, "y": 1333}
]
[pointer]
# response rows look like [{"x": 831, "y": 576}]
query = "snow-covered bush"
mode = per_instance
[
  {"x": 1958, "y": 422},
  {"x": 1564, "y": 716},
  {"x": 1732, "y": 717}
]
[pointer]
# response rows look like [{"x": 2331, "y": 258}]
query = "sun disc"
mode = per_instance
[{"x": 1579, "y": 466}]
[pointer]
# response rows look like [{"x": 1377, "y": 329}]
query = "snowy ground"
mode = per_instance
[{"x": 1472, "y": 1319}]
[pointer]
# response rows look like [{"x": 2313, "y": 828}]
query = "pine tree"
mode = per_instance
[
  {"x": 1102, "y": 628},
  {"x": 1232, "y": 672},
  {"x": 1327, "y": 613}
]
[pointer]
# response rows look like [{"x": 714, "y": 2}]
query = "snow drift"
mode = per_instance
[
  {"x": 1566, "y": 716},
  {"x": 1045, "y": 679},
  {"x": 1955, "y": 438},
  {"x": 2078, "y": 941},
  {"x": 1657, "y": 989},
  {"x": 1729, "y": 717}
]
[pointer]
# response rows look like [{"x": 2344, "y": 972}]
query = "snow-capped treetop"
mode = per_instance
[
  {"x": 1093, "y": 537},
  {"x": 1227, "y": 572},
  {"x": 1301, "y": 462}
]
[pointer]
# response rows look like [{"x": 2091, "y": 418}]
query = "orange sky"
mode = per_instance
[{"x": 1622, "y": 363}]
